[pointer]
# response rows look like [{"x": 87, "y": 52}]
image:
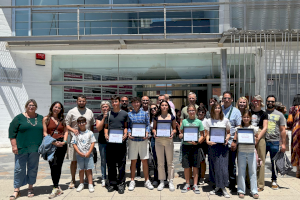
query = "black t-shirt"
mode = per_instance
[
  {"x": 258, "y": 118},
  {"x": 101, "y": 138},
  {"x": 117, "y": 120}
]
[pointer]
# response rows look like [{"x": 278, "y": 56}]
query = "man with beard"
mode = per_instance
[
  {"x": 124, "y": 103},
  {"x": 71, "y": 123},
  {"x": 276, "y": 129}
]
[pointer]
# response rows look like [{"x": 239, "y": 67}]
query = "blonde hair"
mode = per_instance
[
  {"x": 30, "y": 101},
  {"x": 238, "y": 101}
]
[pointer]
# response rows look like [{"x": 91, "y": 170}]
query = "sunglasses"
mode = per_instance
[
  {"x": 270, "y": 101},
  {"x": 153, "y": 109},
  {"x": 226, "y": 98}
]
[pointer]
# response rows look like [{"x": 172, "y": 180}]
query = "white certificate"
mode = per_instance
[
  {"x": 163, "y": 129},
  {"x": 246, "y": 136},
  {"x": 138, "y": 130},
  {"x": 115, "y": 135},
  {"x": 190, "y": 133},
  {"x": 217, "y": 134}
]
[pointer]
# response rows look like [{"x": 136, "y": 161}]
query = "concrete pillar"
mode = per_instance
[{"x": 223, "y": 70}]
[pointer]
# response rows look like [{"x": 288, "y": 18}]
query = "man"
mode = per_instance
[
  {"x": 145, "y": 104},
  {"x": 275, "y": 131},
  {"x": 124, "y": 103},
  {"x": 71, "y": 124},
  {"x": 116, "y": 152},
  {"x": 160, "y": 99},
  {"x": 167, "y": 97},
  {"x": 192, "y": 98},
  {"x": 235, "y": 118},
  {"x": 138, "y": 146}
]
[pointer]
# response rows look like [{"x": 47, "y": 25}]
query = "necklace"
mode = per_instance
[
  {"x": 28, "y": 121},
  {"x": 164, "y": 116}
]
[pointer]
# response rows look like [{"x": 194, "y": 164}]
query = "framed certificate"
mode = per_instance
[
  {"x": 190, "y": 133},
  {"x": 138, "y": 130},
  {"x": 115, "y": 135},
  {"x": 245, "y": 136},
  {"x": 163, "y": 129},
  {"x": 217, "y": 134}
]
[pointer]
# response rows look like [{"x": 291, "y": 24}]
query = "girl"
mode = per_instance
[
  {"x": 247, "y": 155},
  {"x": 190, "y": 150},
  {"x": 153, "y": 112},
  {"x": 218, "y": 153},
  {"x": 165, "y": 146}
]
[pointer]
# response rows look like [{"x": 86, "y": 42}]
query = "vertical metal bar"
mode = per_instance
[
  {"x": 165, "y": 22},
  {"x": 297, "y": 61},
  {"x": 192, "y": 22},
  {"x": 283, "y": 74},
  {"x": 77, "y": 23},
  {"x": 230, "y": 63},
  {"x": 223, "y": 70},
  {"x": 244, "y": 64},
  {"x": 250, "y": 93},
  {"x": 245, "y": 68},
  {"x": 265, "y": 40},
  {"x": 270, "y": 70},
  {"x": 29, "y": 22},
  {"x": 275, "y": 64},
  {"x": 239, "y": 89},
  {"x": 290, "y": 70},
  {"x": 234, "y": 68},
  {"x": 138, "y": 22}
]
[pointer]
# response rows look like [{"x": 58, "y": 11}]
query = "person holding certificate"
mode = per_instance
[
  {"x": 164, "y": 127},
  {"x": 139, "y": 128},
  {"x": 246, "y": 149},
  {"x": 189, "y": 131},
  {"x": 115, "y": 133},
  {"x": 218, "y": 152}
]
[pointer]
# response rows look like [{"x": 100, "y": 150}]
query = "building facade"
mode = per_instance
[{"x": 55, "y": 50}]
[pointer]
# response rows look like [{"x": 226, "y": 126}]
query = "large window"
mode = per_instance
[{"x": 114, "y": 20}]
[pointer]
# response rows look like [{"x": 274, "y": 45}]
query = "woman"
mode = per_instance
[
  {"x": 260, "y": 120},
  {"x": 153, "y": 112},
  {"x": 164, "y": 145},
  {"x": 105, "y": 108},
  {"x": 54, "y": 125},
  {"x": 201, "y": 112},
  {"x": 212, "y": 101},
  {"x": 294, "y": 123},
  {"x": 26, "y": 135},
  {"x": 218, "y": 153},
  {"x": 242, "y": 104}
]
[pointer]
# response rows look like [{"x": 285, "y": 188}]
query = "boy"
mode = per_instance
[{"x": 83, "y": 144}]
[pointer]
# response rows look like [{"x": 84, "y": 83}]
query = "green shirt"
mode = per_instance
[
  {"x": 192, "y": 122},
  {"x": 28, "y": 137}
]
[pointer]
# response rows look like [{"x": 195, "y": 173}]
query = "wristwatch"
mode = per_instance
[{"x": 234, "y": 141}]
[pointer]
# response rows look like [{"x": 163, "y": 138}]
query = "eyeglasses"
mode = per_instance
[
  {"x": 145, "y": 100},
  {"x": 270, "y": 101},
  {"x": 58, "y": 108},
  {"x": 191, "y": 111},
  {"x": 255, "y": 101},
  {"x": 226, "y": 98},
  {"x": 80, "y": 123},
  {"x": 31, "y": 106},
  {"x": 153, "y": 108}
]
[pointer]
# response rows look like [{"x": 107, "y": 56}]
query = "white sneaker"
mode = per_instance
[
  {"x": 80, "y": 187},
  {"x": 161, "y": 186},
  {"x": 91, "y": 188},
  {"x": 226, "y": 195},
  {"x": 103, "y": 183},
  {"x": 155, "y": 183},
  {"x": 274, "y": 185},
  {"x": 148, "y": 185},
  {"x": 213, "y": 192},
  {"x": 171, "y": 186},
  {"x": 131, "y": 186},
  {"x": 201, "y": 182}
]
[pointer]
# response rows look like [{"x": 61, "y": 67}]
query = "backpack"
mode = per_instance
[{"x": 281, "y": 163}]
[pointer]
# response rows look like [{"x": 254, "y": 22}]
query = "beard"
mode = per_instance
[
  {"x": 270, "y": 106},
  {"x": 81, "y": 106},
  {"x": 124, "y": 105}
]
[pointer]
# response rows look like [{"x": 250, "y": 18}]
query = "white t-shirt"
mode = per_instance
[
  {"x": 84, "y": 140},
  {"x": 217, "y": 123},
  {"x": 245, "y": 147},
  {"x": 204, "y": 121}
]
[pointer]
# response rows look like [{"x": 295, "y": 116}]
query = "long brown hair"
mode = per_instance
[
  {"x": 212, "y": 111},
  {"x": 60, "y": 116},
  {"x": 247, "y": 112}
]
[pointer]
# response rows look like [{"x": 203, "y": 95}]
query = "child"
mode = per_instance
[
  {"x": 83, "y": 144},
  {"x": 190, "y": 150},
  {"x": 247, "y": 155}
]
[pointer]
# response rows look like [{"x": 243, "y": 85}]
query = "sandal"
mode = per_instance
[
  {"x": 12, "y": 197},
  {"x": 30, "y": 192},
  {"x": 241, "y": 195},
  {"x": 255, "y": 196}
]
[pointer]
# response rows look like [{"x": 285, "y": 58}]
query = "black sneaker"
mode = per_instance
[
  {"x": 110, "y": 188},
  {"x": 121, "y": 188}
]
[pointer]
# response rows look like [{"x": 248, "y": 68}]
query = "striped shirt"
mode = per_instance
[{"x": 140, "y": 117}]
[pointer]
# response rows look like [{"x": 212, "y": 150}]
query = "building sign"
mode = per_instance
[{"x": 40, "y": 59}]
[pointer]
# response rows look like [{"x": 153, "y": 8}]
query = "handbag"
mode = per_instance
[{"x": 282, "y": 163}]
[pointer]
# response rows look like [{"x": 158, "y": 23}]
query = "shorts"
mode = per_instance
[
  {"x": 138, "y": 148},
  {"x": 85, "y": 163},
  {"x": 190, "y": 156},
  {"x": 71, "y": 153}
]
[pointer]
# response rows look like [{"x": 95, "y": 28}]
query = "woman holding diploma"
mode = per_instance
[
  {"x": 164, "y": 124},
  {"x": 247, "y": 155},
  {"x": 190, "y": 149},
  {"x": 218, "y": 152}
]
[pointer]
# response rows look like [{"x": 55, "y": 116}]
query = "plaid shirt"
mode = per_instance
[{"x": 138, "y": 117}]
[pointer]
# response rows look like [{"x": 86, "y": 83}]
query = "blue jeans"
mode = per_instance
[
  {"x": 273, "y": 148},
  {"x": 232, "y": 168},
  {"x": 31, "y": 160},
  {"x": 102, "y": 150},
  {"x": 245, "y": 158}
]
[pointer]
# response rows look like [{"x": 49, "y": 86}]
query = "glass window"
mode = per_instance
[
  {"x": 125, "y": 1},
  {"x": 43, "y": 2},
  {"x": 97, "y": 23},
  {"x": 22, "y": 2},
  {"x": 179, "y": 22},
  {"x": 68, "y": 23},
  {"x": 44, "y": 24},
  {"x": 151, "y": 22},
  {"x": 97, "y": 2},
  {"x": 22, "y": 22},
  {"x": 68, "y": 2}
]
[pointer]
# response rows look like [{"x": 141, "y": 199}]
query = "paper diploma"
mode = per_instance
[
  {"x": 217, "y": 134},
  {"x": 138, "y": 130},
  {"x": 115, "y": 136},
  {"x": 246, "y": 136},
  {"x": 190, "y": 134},
  {"x": 163, "y": 129}
]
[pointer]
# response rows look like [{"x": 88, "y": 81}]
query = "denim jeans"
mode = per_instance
[
  {"x": 273, "y": 148},
  {"x": 232, "y": 168},
  {"x": 23, "y": 161},
  {"x": 245, "y": 158},
  {"x": 102, "y": 150}
]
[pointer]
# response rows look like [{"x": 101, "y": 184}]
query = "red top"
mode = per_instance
[{"x": 51, "y": 127}]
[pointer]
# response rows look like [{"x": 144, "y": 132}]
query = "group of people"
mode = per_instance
[{"x": 27, "y": 129}]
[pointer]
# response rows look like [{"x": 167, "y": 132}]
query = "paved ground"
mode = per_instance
[{"x": 289, "y": 185}]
